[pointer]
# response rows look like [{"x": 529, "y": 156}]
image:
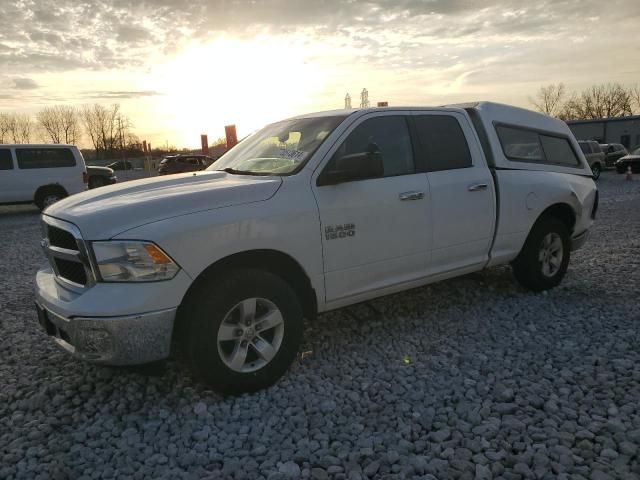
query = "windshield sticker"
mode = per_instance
[{"x": 295, "y": 155}]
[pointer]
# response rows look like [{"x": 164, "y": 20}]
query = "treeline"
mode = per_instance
[
  {"x": 109, "y": 130},
  {"x": 598, "y": 101}
]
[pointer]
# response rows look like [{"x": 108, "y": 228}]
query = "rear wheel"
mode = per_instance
[
  {"x": 47, "y": 196},
  {"x": 544, "y": 259},
  {"x": 243, "y": 330}
]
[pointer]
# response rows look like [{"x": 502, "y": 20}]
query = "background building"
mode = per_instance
[{"x": 624, "y": 130}]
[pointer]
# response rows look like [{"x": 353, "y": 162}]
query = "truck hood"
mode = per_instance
[
  {"x": 95, "y": 170},
  {"x": 105, "y": 212}
]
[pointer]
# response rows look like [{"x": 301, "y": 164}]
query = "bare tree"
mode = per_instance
[
  {"x": 90, "y": 119},
  {"x": 605, "y": 101},
  {"x": 107, "y": 128},
  {"x": 635, "y": 98},
  {"x": 16, "y": 127},
  {"x": 549, "y": 99},
  {"x": 59, "y": 124},
  {"x": 5, "y": 122}
]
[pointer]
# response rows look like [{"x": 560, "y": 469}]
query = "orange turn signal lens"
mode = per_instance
[{"x": 157, "y": 255}]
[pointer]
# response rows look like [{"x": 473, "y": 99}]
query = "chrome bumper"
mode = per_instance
[
  {"x": 579, "y": 240},
  {"x": 126, "y": 340}
]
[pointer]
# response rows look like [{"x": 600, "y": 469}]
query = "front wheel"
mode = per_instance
[
  {"x": 243, "y": 330},
  {"x": 47, "y": 196},
  {"x": 544, "y": 259},
  {"x": 596, "y": 170}
]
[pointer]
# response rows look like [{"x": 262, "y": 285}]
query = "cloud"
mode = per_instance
[
  {"x": 20, "y": 83},
  {"x": 426, "y": 45},
  {"x": 120, "y": 94}
]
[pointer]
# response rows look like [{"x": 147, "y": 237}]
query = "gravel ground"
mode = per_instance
[{"x": 469, "y": 378}]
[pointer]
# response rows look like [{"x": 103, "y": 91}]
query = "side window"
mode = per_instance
[
  {"x": 520, "y": 144},
  {"x": 6, "y": 163},
  {"x": 584, "y": 147},
  {"x": 558, "y": 150},
  {"x": 44, "y": 158},
  {"x": 443, "y": 142},
  {"x": 388, "y": 135}
]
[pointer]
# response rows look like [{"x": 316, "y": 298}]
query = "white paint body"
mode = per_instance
[
  {"x": 19, "y": 185},
  {"x": 201, "y": 218}
]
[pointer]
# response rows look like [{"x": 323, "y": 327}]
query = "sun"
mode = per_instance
[{"x": 229, "y": 81}]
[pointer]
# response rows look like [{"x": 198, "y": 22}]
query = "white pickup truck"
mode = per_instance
[{"x": 307, "y": 215}]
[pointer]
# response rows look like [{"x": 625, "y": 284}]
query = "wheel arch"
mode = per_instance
[
  {"x": 561, "y": 211},
  {"x": 273, "y": 261},
  {"x": 49, "y": 186}
]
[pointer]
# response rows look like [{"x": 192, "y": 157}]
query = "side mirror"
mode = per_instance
[{"x": 355, "y": 166}]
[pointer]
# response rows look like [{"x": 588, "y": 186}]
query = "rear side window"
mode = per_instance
[
  {"x": 525, "y": 145},
  {"x": 558, "y": 150},
  {"x": 520, "y": 144},
  {"x": 443, "y": 142},
  {"x": 6, "y": 163},
  {"x": 45, "y": 158}
]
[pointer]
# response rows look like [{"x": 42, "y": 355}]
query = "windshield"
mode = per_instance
[
  {"x": 635, "y": 151},
  {"x": 278, "y": 149}
]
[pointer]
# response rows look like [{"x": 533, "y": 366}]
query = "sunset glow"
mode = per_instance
[{"x": 181, "y": 70}]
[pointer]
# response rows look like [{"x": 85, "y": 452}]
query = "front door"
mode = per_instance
[{"x": 375, "y": 232}]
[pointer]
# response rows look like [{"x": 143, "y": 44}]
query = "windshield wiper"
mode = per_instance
[{"x": 236, "y": 172}]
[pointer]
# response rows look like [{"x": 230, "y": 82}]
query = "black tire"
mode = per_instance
[
  {"x": 596, "y": 169},
  {"x": 528, "y": 268},
  {"x": 96, "y": 181},
  {"x": 48, "y": 195},
  {"x": 207, "y": 306}
]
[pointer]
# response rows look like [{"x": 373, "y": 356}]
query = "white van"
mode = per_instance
[{"x": 40, "y": 174}]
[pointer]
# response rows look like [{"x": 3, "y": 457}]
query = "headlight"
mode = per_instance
[{"x": 132, "y": 261}]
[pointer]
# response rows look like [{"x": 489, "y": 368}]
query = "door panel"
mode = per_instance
[
  {"x": 375, "y": 232},
  {"x": 463, "y": 217},
  {"x": 371, "y": 238}
]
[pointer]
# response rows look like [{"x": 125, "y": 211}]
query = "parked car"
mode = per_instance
[
  {"x": 630, "y": 160},
  {"x": 183, "y": 163},
  {"x": 594, "y": 155},
  {"x": 121, "y": 165},
  {"x": 613, "y": 152},
  {"x": 307, "y": 215},
  {"x": 40, "y": 174},
  {"x": 100, "y": 176}
]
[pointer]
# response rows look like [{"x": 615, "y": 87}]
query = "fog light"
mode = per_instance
[{"x": 93, "y": 340}]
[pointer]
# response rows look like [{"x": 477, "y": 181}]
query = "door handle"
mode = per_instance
[
  {"x": 478, "y": 187},
  {"x": 411, "y": 196}
]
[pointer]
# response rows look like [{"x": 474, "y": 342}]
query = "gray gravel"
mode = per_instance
[{"x": 469, "y": 378}]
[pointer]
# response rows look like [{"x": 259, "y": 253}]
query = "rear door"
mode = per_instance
[
  {"x": 462, "y": 193},
  {"x": 376, "y": 233}
]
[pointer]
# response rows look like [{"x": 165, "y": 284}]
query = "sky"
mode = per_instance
[{"x": 181, "y": 68}]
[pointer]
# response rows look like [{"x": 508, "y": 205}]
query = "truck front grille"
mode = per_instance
[
  {"x": 72, "y": 271},
  {"x": 66, "y": 251},
  {"x": 61, "y": 238}
]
